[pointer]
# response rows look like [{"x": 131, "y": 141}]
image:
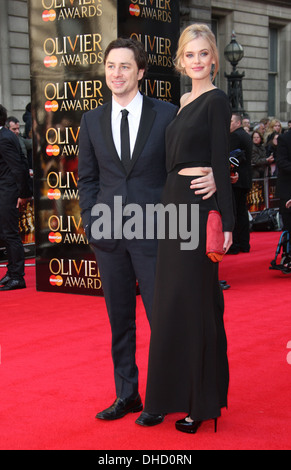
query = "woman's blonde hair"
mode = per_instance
[{"x": 195, "y": 31}]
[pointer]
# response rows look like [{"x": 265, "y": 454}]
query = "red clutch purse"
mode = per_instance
[{"x": 214, "y": 237}]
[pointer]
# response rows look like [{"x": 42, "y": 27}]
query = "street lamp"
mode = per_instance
[{"x": 234, "y": 53}]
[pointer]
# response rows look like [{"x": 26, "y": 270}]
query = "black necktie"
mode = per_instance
[{"x": 124, "y": 135}]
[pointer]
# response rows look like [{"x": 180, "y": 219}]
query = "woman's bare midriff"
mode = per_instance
[{"x": 196, "y": 171}]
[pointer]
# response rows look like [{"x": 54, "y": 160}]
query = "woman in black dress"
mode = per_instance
[{"x": 188, "y": 365}]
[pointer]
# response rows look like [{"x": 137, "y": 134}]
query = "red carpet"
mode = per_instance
[{"x": 56, "y": 370}]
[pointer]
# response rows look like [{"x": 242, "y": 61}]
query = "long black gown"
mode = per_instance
[{"x": 188, "y": 366}]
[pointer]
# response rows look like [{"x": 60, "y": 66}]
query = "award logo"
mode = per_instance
[
  {"x": 79, "y": 50},
  {"x": 66, "y": 229},
  {"x": 82, "y": 95},
  {"x": 62, "y": 142},
  {"x": 81, "y": 274},
  {"x": 57, "y": 10},
  {"x": 62, "y": 186},
  {"x": 156, "y": 10}
]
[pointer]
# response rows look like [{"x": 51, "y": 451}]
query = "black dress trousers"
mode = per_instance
[{"x": 9, "y": 233}]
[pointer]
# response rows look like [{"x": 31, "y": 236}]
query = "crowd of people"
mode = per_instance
[
  {"x": 258, "y": 158},
  {"x": 265, "y": 136}
]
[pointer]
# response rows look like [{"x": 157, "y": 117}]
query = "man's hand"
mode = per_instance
[
  {"x": 234, "y": 178},
  {"x": 20, "y": 202},
  {"x": 205, "y": 185},
  {"x": 288, "y": 204}
]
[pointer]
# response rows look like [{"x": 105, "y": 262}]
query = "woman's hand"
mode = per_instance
[
  {"x": 205, "y": 185},
  {"x": 227, "y": 241}
]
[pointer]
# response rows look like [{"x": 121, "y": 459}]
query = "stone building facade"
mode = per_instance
[
  {"x": 14, "y": 57},
  {"x": 262, "y": 27}
]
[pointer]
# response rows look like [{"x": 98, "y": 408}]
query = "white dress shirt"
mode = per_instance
[{"x": 134, "y": 109}]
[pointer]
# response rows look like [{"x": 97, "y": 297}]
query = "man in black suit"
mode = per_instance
[
  {"x": 240, "y": 139},
  {"x": 283, "y": 189},
  {"x": 115, "y": 171},
  {"x": 13, "y": 187}
]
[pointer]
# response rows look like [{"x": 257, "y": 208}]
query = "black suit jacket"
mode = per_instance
[
  {"x": 13, "y": 171},
  {"x": 102, "y": 176},
  {"x": 283, "y": 162},
  {"x": 240, "y": 139}
]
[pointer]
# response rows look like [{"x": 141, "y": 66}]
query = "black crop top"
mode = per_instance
[{"x": 199, "y": 136}]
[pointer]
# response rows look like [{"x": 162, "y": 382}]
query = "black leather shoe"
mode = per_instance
[
  {"x": 14, "y": 284},
  {"x": 120, "y": 408},
  {"x": 224, "y": 285},
  {"x": 148, "y": 419},
  {"x": 4, "y": 280}
]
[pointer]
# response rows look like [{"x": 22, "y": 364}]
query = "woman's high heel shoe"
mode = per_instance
[{"x": 191, "y": 427}]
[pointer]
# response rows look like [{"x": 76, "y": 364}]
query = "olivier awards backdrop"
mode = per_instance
[
  {"x": 67, "y": 43},
  {"x": 156, "y": 24}
]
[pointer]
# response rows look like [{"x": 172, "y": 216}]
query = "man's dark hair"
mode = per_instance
[
  {"x": 238, "y": 116},
  {"x": 3, "y": 115},
  {"x": 11, "y": 119},
  {"x": 137, "y": 48}
]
